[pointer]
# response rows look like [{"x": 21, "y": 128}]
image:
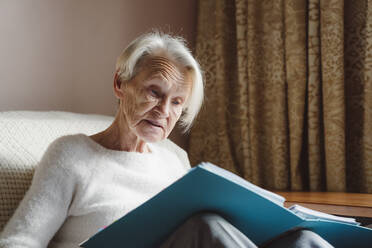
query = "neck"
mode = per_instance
[{"x": 119, "y": 137}]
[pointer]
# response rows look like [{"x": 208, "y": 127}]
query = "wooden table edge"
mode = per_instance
[{"x": 351, "y": 211}]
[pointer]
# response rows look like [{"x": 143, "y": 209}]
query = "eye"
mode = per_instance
[
  {"x": 154, "y": 93},
  {"x": 177, "y": 102}
]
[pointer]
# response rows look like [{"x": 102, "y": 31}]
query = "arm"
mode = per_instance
[{"x": 45, "y": 205}]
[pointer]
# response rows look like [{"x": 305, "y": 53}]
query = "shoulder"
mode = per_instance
[
  {"x": 171, "y": 147},
  {"x": 66, "y": 151},
  {"x": 68, "y": 145}
]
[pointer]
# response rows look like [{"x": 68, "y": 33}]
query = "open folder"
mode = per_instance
[{"x": 256, "y": 212}]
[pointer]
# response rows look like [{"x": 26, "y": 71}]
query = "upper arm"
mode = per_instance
[{"x": 45, "y": 205}]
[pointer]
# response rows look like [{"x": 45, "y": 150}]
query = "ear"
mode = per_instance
[{"x": 118, "y": 89}]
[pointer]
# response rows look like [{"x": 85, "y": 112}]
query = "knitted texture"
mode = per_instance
[
  {"x": 24, "y": 137},
  {"x": 79, "y": 187}
]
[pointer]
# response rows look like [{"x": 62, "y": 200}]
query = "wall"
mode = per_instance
[{"x": 61, "y": 54}]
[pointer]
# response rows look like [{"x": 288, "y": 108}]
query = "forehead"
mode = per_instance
[{"x": 166, "y": 73}]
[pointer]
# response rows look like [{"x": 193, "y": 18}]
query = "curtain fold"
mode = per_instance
[{"x": 288, "y": 92}]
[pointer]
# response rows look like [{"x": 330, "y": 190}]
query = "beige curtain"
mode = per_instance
[{"x": 288, "y": 92}]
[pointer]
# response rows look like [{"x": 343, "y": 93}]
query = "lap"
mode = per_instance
[
  {"x": 207, "y": 230},
  {"x": 211, "y": 230},
  {"x": 301, "y": 238}
]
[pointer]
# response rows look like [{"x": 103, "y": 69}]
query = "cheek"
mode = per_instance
[
  {"x": 176, "y": 114},
  {"x": 129, "y": 107},
  {"x": 144, "y": 102},
  {"x": 145, "y": 106},
  {"x": 136, "y": 106}
]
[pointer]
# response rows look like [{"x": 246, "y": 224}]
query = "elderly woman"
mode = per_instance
[{"x": 86, "y": 182}]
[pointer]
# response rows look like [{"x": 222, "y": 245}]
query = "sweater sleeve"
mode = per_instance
[{"x": 45, "y": 205}]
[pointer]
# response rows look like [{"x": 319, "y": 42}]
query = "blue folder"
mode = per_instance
[{"x": 258, "y": 213}]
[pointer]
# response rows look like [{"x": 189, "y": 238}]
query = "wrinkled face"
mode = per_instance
[{"x": 153, "y": 100}]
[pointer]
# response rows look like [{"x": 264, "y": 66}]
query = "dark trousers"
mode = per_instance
[{"x": 211, "y": 230}]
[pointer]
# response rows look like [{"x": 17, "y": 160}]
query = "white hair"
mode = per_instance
[{"x": 173, "y": 47}]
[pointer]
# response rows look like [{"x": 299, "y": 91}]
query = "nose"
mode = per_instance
[{"x": 163, "y": 108}]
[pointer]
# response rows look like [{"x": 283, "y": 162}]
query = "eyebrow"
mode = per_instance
[{"x": 179, "y": 93}]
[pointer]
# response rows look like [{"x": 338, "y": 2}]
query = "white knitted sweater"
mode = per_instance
[{"x": 80, "y": 187}]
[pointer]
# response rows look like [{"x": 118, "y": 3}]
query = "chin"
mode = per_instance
[
  {"x": 151, "y": 137},
  {"x": 149, "y": 133}
]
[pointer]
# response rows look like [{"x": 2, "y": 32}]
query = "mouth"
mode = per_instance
[{"x": 153, "y": 123}]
